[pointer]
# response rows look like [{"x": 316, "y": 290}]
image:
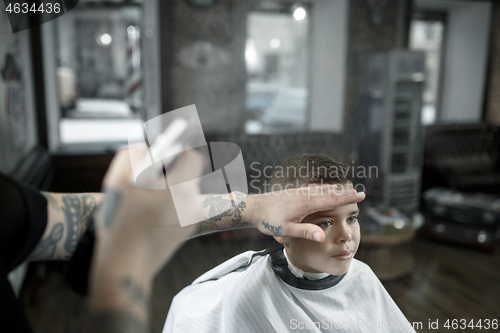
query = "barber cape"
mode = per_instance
[{"x": 256, "y": 292}]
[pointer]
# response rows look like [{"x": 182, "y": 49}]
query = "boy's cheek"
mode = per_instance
[
  {"x": 302, "y": 247},
  {"x": 304, "y": 244},
  {"x": 309, "y": 250}
]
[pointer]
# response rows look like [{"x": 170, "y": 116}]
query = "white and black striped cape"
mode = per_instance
[{"x": 255, "y": 292}]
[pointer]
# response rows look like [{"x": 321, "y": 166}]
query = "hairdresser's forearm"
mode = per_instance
[
  {"x": 68, "y": 215},
  {"x": 226, "y": 213},
  {"x": 120, "y": 299}
]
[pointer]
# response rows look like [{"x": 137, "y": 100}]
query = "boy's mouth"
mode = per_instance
[{"x": 343, "y": 255}]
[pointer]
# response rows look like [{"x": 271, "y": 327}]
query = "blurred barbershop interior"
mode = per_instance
[{"x": 405, "y": 93}]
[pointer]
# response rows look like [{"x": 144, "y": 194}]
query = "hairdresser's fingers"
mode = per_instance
[
  {"x": 313, "y": 190},
  {"x": 304, "y": 230},
  {"x": 328, "y": 202},
  {"x": 120, "y": 169}
]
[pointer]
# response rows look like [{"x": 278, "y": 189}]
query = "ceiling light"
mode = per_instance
[{"x": 299, "y": 13}]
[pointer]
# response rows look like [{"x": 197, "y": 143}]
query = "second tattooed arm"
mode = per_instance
[{"x": 68, "y": 215}]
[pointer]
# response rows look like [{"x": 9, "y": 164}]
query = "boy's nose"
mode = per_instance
[{"x": 343, "y": 235}]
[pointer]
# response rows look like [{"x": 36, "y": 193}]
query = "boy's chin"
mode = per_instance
[{"x": 339, "y": 270}]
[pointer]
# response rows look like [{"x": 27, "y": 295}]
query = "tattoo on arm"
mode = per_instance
[
  {"x": 124, "y": 319},
  {"x": 136, "y": 295},
  {"x": 68, "y": 217},
  {"x": 222, "y": 210},
  {"x": 46, "y": 248},
  {"x": 277, "y": 231},
  {"x": 77, "y": 211}
]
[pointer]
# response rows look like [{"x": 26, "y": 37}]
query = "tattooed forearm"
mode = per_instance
[
  {"x": 67, "y": 218},
  {"x": 77, "y": 210},
  {"x": 225, "y": 213},
  {"x": 135, "y": 293},
  {"x": 46, "y": 248},
  {"x": 125, "y": 317},
  {"x": 277, "y": 231}
]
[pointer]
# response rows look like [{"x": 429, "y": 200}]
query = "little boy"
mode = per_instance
[{"x": 295, "y": 285}]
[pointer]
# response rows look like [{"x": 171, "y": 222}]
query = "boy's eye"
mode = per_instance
[
  {"x": 325, "y": 224},
  {"x": 352, "y": 219}
]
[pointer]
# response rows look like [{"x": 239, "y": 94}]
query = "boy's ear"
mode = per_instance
[{"x": 282, "y": 240}]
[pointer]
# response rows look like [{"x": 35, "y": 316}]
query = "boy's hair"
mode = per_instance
[{"x": 308, "y": 169}]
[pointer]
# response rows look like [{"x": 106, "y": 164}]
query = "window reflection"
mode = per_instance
[
  {"x": 98, "y": 52},
  {"x": 276, "y": 58},
  {"x": 427, "y": 36}
]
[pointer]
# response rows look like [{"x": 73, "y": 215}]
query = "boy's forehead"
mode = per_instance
[{"x": 336, "y": 212}]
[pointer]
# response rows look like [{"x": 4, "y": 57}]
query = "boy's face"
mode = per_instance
[{"x": 334, "y": 255}]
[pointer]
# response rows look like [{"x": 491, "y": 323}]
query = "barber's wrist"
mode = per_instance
[{"x": 248, "y": 214}]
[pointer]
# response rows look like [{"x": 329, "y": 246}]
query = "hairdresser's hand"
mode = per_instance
[
  {"x": 137, "y": 232},
  {"x": 279, "y": 213},
  {"x": 143, "y": 223}
]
